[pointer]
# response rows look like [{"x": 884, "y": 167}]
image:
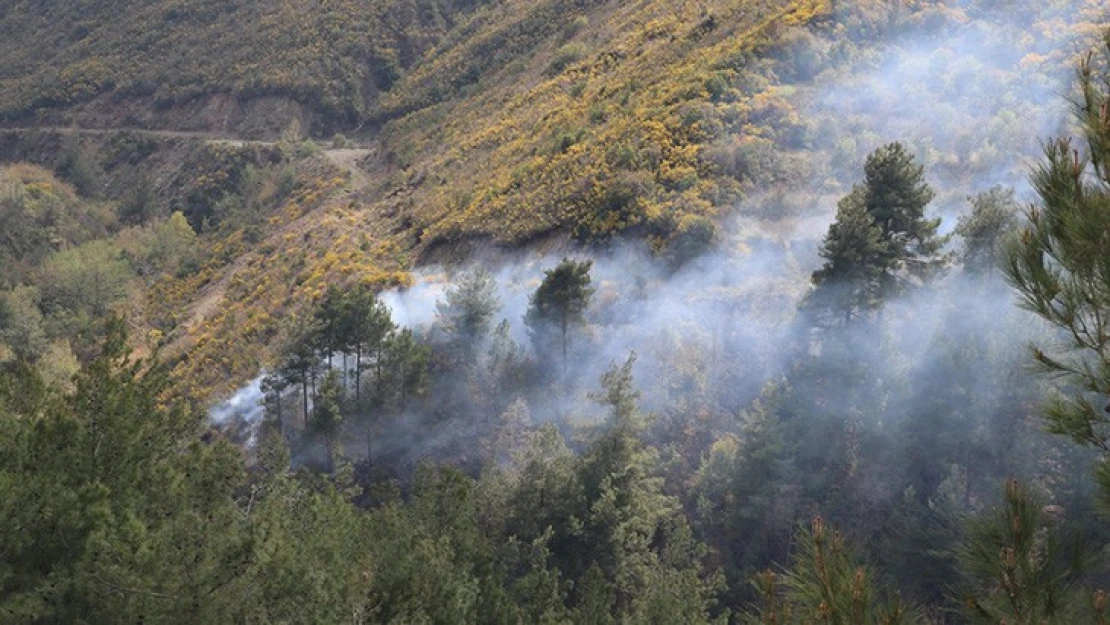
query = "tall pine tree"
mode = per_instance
[
  {"x": 558, "y": 305},
  {"x": 881, "y": 240}
]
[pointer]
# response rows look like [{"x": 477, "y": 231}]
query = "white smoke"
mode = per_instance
[
  {"x": 725, "y": 318},
  {"x": 242, "y": 412},
  {"x": 415, "y": 307}
]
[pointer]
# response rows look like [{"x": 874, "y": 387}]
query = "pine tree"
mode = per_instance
[
  {"x": 332, "y": 321},
  {"x": 21, "y": 323},
  {"x": 311, "y": 563},
  {"x": 406, "y": 370},
  {"x": 504, "y": 373},
  {"x": 467, "y": 310},
  {"x": 627, "y": 517},
  {"x": 113, "y": 507},
  {"x": 993, "y": 217},
  {"x": 596, "y": 597},
  {"x": 371, "y": 324},
  {"x": 824, "y": 584},
  {"x": 895, "y": 194},
  {"x": 855, "y": 253},
  {"x": 559, "y": 304},
  {"x": 431, "y": 558},
  {"x": 299, "y": 363},
  {"x": 141, "y": 202},
  {"x": 1060, "y": 266},
  {"x": 507, "y": 433},
  {"x": 1019, "y": 567},
  {"x": 917, "y": 540},
  {"x": 327, "y": 414},
  {"x": 273, "y": 389},
  {"x": 880, "y": 240},
  {"x": 745, "y": 501},
  {"x": 547, "y": 493},
  {"x": 79, "y": 168}
]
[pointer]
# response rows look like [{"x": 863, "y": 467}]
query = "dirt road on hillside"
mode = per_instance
[{"x": 346, "y": 159}]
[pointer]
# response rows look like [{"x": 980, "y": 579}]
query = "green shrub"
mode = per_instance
[{"x": 564, "y": 57}]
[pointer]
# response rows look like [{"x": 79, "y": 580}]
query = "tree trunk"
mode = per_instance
[
  {"x": 304, "y": 393},
  {"x": 378, "y": 365},
  {"x": 369, "y": 444},
  {"x": 358, "y": 376}
]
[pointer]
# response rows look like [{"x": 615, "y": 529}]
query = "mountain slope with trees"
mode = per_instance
[
  {"x": 501, "y": 125},
  {"x": 717, "y": 429}
]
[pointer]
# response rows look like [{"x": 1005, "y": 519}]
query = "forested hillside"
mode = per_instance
[{"x": 557, "y": 311}]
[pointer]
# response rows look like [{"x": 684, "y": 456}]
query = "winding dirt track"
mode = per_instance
[{"x": 346, "y": 159}]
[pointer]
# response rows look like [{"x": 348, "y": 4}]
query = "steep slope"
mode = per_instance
[
  {"x": 207, "y": 64},
  {"x": 659, "y": 120},
  {"x": 606, "y": 132},
  {"x": 503, "y": 123},
  {"x": 444, "y": 173}
]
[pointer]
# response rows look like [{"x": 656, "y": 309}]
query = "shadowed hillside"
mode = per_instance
[{"x": 247, "y": 67}]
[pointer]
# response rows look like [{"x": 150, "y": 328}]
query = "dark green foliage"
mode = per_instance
[
  {"x": 353, "y": 363},
  {"x": 895, "y": 194},
  {"x": 333, "y": 321},
  {"x": 222, "y": 184},
  {"x": 467, "y": 509},
  {"x": 78, "y": 168},
  {"x": 405, "y": 367},
  {"x": 105, "y": 494},
  {"x": 1020, "y": 567},
  {"x": 299, "y": 362},
  {"x": 743, "y": 493},
  {"x": 626, "y": 516},
  {"x": 854, "y": 251},
  {"x": 880, "y": 241},
  {"x": 993, "y": 217},
  {"x": 1061, "y": 269},
  {"x": 917, "y": 542},
  {"x": 312, "y": 561},
  {"x": 558, "y": 305},
  {"x": 21, "y": 323},
  {"x": 825, "y": 584},
  {"x": 505, "y": 361},
  {"x": 140, "y": 202},
  {"x": 370, "y": 325}
]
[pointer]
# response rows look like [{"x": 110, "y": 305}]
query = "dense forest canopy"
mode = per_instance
[{"x": 599, "y": 312}]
